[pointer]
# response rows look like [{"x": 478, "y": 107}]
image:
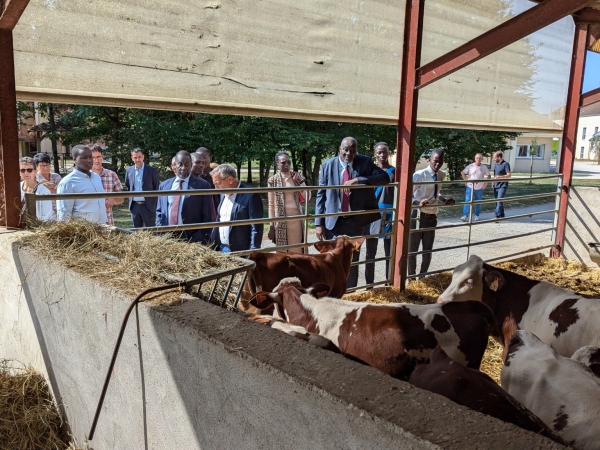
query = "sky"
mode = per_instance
[{"x": 591, "y": 76}]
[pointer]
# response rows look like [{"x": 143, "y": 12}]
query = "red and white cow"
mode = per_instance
[
  {"x": 391, "y": 338},
  {"x": 477, "y": 391},
  {"x": 562, "y": 392},
  {"x": 562, "y": 319},
  {"x": 331, "y": 266}
]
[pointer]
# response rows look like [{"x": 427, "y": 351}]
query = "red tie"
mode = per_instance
[
  {"x": 345, "y": 195},
  {"x": 174, "y": 214}
]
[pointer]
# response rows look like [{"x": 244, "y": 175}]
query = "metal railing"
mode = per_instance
[{"x": 307, "y": 217}]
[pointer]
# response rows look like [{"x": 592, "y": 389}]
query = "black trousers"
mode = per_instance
[
  {"x": 348, "y": 227},
  {"x": 141, "y": 216},
  {"x": 427, "y": 238},
  {"x": 372, "y": 252}
]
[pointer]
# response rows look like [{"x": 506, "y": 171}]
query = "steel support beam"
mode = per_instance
[
  {"x": 407, "y": 128},
  {"x": 10, "y": 13},
  {"x": 10, "y": 198},
  {"x": 504, "y": 34},
  {"x": 589, "y": 98},
  {"x": 567, "y": 154}
]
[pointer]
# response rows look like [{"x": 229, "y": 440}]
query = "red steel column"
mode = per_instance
[
  {"x": 10, "y": 199},
  {"x": 567, "y": 154},
  {"x": 407, "y": 128}
]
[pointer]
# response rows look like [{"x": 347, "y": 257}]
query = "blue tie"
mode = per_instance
[{"x": 435, "y": 188}]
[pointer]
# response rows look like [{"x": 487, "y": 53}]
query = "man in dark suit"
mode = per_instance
[
  {"x": 185, "y": 209},
  {"x": 141, "y": 177},
  {"x": 236, "y": 207},
  {"x": 347, "y": 168}
]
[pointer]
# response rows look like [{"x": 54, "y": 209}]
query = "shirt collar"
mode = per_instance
[
  {"x": 83, "y": 174},
  {"x": 184, "y": 179},
  {"x": 141, "y": 168},
  {"x": 344, "y": 164}
]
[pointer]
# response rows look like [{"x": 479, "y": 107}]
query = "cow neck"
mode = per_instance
[
  {"x": 512, "y": 299},
  {"x": 296, "y": 313},
  {"x": 348, "y": 248}
]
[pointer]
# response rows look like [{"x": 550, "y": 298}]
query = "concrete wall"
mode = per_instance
[
  {"x": 197, "y": 376},
  {"x": 583, "y": 223}
]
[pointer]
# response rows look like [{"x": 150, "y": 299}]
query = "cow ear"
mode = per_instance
[
  {"x": 358, "y": 242},
  {"x": 262, "y": 299},
  {"x": 323, "y": 246},
  {"x": 319, "y": 290},
  {"x": 494, "y": 280}
]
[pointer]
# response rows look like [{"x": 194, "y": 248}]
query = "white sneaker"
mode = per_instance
[
  {"x": 463, "y": 218},
  {"x": 475, "y": 218}
]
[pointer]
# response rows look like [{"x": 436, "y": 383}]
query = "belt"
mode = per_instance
[
  {"x": 428, "y": 215},
  {"x": 139, "y": 203}
]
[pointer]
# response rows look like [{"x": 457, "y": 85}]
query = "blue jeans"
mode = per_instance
[
  {"x": 477, "y": 195},
  {"x": 499, "y": 192}
]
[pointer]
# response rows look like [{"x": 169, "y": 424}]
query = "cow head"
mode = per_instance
[
  {"x": 470, "y": 279},
  {"x": 263, "y": 300},
  {"x": 339, "y": 242}
]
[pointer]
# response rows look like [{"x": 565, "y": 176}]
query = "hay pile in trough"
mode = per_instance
[
  {"x": 566, "y": 274},
  {"x": 131, "y": 262},
  {"x": 28, "y": 416}
]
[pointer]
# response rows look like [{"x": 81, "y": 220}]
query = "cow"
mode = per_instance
[
  {"x": 331, "y": 266},
  {"x": 560, "y": 318},
  {"x": 590, "y": 357},
  {"x": 392, "y": 338},
  {"x": 475, "y": 390},
  {"x": 562, "y": 392}
]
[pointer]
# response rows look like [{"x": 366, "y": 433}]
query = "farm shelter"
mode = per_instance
[{"x": 520, "y": 65}]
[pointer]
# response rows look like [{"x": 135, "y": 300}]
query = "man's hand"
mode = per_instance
[
  {"x": 449, "y": 201},
  {"x": 320, "y": 232},
  {"x": 109, "y": 202},
  {"x": 351, "y": 182},
  {"x": 295, "y": 177},
  {"x": 50, "y": 186},
  {"x": 424, "y": 202}
]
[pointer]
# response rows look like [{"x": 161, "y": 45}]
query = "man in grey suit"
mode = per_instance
[
  {"x": 142, "y": 177},
  {"x": 348, "y": 168}
]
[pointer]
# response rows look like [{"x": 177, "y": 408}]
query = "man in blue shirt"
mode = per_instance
[
  {"x": 501, "y": 170},
  {"x": 141, "y": 177}
]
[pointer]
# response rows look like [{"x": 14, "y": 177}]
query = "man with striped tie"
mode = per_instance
[
  {"x": 185, "y": 209},
  {"x": 427, "y": 196},
  {"x": 347, "y": 168}
]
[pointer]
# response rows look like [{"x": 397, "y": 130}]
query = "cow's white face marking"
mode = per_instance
[{"x": 467, "y": 282}]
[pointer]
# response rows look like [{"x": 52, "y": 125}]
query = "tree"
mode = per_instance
[
  {"x": 595, "y": 146},
  {"x": 460, "y": 145}
]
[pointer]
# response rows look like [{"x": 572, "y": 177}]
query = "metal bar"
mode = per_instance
[
  {"x": 368, "y": 261},
  {"x": 589, "y": 98},
  {"x": 391, "y": 275},
  {"x": 212, "y": 292},
  {"x": 30, "y": 210},
  {"x": 512, "y": 199},
  {"x": 407, "y": 130},
  {"x": 306, "y": 219},
  {"x": 506, "y": 33},
  {"x": 11, "y": 12},
  {"x": 450, "y": 269},
  {"x": 226, "y": 294},
  {"x": 10, "y": 198},
  {"x": 237, "y": 296},
  {"x": 487, "y": 180},
  {"x": 489, "y": 241},
  {"x": 567, "y": 154}
]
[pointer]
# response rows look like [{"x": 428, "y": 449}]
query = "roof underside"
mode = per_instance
[{"x": 312, "y": 59}]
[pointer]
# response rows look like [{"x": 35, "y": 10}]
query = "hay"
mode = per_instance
[
  {"x": 566, "y": 274},
  {"x": 131, "y": 262},
  {"x": 28, "y": 416}
]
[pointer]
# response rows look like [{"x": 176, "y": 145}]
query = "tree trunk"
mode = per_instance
[
  {"x": 238, "y": 166},
  {"x": 315, "y": 171},
  {"x": 249, "y": 176},
  {"x": 531, "y": 169},
  {"x": 265, "y": 171},
  {"x": 116, "y": 134},
  {"x": 52, "y": 124},
  {"x": 294, "y": 155}
]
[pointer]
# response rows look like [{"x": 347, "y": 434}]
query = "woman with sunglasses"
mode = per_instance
[
  {"x": 43, "y": 209},
  {"x": 285, "y": 204}
]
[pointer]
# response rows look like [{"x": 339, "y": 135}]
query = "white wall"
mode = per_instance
[{"x": 591, "y": 124}]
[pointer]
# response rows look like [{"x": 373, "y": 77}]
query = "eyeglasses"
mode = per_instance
[
  {"x": 287, "y": 163},
  {"x": 43, "y": 165},
  {"x": 26, "y": 170}
]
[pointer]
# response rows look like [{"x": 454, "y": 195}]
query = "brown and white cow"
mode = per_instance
[
  {"x": 562, "y": 319},
  {"x": 330, "y": 266},
  {"x": 562, "y": 392},
  {"x": 392, "y": 338},
  {"x": 475, "y": 390}
]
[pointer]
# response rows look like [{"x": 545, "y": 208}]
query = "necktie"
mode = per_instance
[
  {"x": 174, "y": 214},
  {"x": 346, "y": 195},
  {"x": 435, "y": 188}
]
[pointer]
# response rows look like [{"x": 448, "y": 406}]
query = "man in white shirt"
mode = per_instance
[
  {"x": 81, "y": 180},
  {"x": 426, "y": 196},
  {"x": 474, "y": 171}
]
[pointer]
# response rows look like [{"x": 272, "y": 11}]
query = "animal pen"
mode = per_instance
[{"x": 486, "y": 64}]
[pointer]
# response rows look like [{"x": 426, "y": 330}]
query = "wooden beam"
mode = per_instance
[
  {"x": 504, "y": 34},
  {"x": 10, "y": 13},
  {"x": 587, "y": 15},
  {"x": 589, "y": 98}
]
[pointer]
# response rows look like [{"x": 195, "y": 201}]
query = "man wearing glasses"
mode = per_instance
[{"x": 110, "y": 182}]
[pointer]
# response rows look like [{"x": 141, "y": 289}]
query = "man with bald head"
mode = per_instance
[
  {"x": 348, "y": 168},
  {"x": 206, "y": 155},
  {"x": 185, "y": 209}
]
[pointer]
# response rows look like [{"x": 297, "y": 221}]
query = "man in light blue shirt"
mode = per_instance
[
  {"x": 81, "y": 180},
  {"x": 141, "y": 177}
]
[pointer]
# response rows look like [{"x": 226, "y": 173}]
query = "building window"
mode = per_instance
[
  {"x": 581, "y": 153},
  {"x": 526, "y": 151},
  {"x": 583, "y": 133}
]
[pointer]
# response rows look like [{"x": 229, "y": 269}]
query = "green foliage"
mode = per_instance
[{"x": 460, "y": 146}]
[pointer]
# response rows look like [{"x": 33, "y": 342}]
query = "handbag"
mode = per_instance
[{"x": 300, "y": 197}]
